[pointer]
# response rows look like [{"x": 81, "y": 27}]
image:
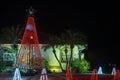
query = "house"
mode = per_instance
[
  {"x": 31, "y": 48},
  {"x": 8, "y": 54}
]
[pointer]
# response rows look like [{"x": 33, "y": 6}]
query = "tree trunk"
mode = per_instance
[
  {"x": 66, "y": 51},
  {"x": 54, "y": 51},
  {"x": 71, "y": 55}
]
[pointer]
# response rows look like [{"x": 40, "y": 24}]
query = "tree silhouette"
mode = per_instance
[
  {"x": 11, "y": 34},
  {"x": 54, "y": 43},
  {"x": 71, "y": 37}
]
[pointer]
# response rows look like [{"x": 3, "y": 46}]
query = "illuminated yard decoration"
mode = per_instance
[
  {"x": 69, "y": 74},
  {"x": 117, "y": 75},
  {"x": 17, "y": 75},
  {"x": 94, "y": 75},
  {"x": 113, "y": 71},
  {"x": 43, "y": 74},
  {"x": 100, "y": 70},
  {"x": 29, "y": 51}
]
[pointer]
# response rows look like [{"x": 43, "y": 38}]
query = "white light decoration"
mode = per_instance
[
  {"x": 43, "y": 74},
  {"x": 100, "y": 70},
  {"x": 113, "y": 71},
  {"x": 17, "y": 75}
]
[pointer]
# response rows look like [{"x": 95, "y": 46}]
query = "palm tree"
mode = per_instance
[
  {"x": 11, "y": 34},
  {"x": 66, "y": 41},
  {"x": 71, "y": 38},
  {"x": 54, "y": 43},
  {"x": 64, "y": 47}
]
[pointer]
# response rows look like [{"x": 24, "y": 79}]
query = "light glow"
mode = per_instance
[
  {"x": 17, "y": 75},
  {"x": 113, "y": 71},
  {"x": 27, "y": 49},
  {"x": 100, "y": 70},
  {"x": 43, "y": 74}
]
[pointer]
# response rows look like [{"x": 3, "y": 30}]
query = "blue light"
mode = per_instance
[
  {"x": 100, "y": 70},
  {"x": 29, "y": 27}
]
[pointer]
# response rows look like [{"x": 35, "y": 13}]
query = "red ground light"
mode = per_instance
[
  {"x": 94, "y": 75},
  {"x": 69, "y": 74},
  {"x": 117, "y": 75}
]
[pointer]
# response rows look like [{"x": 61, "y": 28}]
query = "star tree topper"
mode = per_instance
[{"x": 31, "y": 11}]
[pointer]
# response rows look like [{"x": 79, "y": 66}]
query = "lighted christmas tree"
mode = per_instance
[
  {"x": 43, "y": 74},
  {"x": 29, "y": 55},
  {"x": 100, "y": 70},
  {"x": 117, "y": 75},
  {"x": 17, "y": 75},
  {"x": 94, "y": 75},
  {"x": 113, "y": 71},
  {"x": 69, "y": 74}
]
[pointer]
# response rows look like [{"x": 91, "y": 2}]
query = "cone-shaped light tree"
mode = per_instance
[{"x": 29, "y": 55}]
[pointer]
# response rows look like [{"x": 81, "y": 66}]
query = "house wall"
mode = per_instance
[{"x": 49, "y": 55}]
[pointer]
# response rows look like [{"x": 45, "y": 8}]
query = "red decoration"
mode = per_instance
[
  {"x": 29, "y": 45},
  {"x": 69, "y": 74},
  {"x": 94, "y": 75},
  {"x": 117, "y": 75}
]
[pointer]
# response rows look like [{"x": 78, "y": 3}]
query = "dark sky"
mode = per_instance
[{"x": 95, "y": 19}]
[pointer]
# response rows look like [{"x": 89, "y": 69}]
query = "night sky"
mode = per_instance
[{"x": 95, "y": 19}]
